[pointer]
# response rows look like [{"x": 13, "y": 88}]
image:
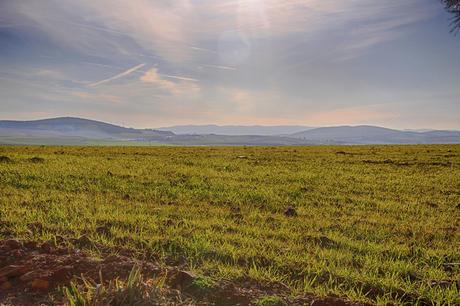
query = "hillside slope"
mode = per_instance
[
  {"x": 77, "y": 128},
  {"x": 375, "y": 135},
  {"x": 69, "y": 130}
]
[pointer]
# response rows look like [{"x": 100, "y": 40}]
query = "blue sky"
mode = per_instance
[{"x": 148, "y": 63}]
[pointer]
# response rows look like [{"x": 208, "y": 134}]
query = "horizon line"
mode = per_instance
[{"x": 233, "y": 125}]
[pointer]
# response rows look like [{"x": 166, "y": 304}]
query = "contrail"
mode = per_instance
[
  {"x": 219, "y": 67},
  {"x": 178, "y": 77},
  {"x": 201, "y": 49},
  {"x": 120, "y": 75}
]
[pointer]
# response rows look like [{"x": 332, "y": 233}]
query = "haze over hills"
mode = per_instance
[
  {"x": 68, "y": 130},
  {"x": 365, "y": 134},
  {"x": 236, "y": 130}
]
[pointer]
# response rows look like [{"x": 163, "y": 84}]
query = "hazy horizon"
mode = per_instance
[
  {"x": 152, "y": 64},
  {"x": 184, "y": 126}
]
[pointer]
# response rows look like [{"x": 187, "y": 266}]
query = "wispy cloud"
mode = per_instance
[
  {"x": 117, "y": 76},
  {"x": 219, "y": 67},
  {"x": 50, "y": 73},
  {"x": 389, "y": 25},
  {"x": 226, "y": 61},
  {"x": 187, "y": 86},
  {"x": 175, "y": 30},
  {"x": 97, "y": 97},
  {"x": 182, "y": 78}
]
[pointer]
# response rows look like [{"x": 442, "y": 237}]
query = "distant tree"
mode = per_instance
[{"x": 453, "y": 7}]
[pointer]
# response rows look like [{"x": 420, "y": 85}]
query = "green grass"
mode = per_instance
[
  {"x": 269, "y": 301},
  {"x": 133, "y": 291},
  {"x": 374, "y": 223}
]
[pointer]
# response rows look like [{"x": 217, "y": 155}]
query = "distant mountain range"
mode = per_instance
[
  {"x": 365, "y": 134},
  {"x": 77, "y": 131},
  {"x": 236, "y": 130}
]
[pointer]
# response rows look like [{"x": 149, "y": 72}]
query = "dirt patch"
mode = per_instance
[
  {"x": 37, "y": 160},
  {"x": 32, "y": 273},
  {"x": 5, "y": 159},
  {"x": 290, "y": 211}
]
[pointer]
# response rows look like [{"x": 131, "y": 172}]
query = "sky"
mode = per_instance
[{"x": 146, "y": 63}]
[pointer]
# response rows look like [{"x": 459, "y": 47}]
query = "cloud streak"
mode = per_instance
[
  {"x": 186, "y": 86},
  {"x": 220, "y": 67},
  {"x": 228, "y": 61},
  {"x": 176, "y": 30},
  {"x": 117, "y": 76}
]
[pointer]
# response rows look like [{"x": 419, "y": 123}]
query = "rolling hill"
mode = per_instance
[
  {"x": 78, "y": 131},
  {"x": 235, "y": 130},
  {"x": 69, "y": 129},
  {"x": 375, "y": 135}
]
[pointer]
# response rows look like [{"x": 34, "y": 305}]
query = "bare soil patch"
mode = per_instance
[
  {"x": 5, "y": 159},
  {"x": 32, "y": 273}
]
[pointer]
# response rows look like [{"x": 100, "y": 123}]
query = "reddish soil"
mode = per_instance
[{"x": 31, "y": 273}]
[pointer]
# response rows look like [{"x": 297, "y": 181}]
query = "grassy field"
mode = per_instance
[{"x": 374, "y": 223}]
